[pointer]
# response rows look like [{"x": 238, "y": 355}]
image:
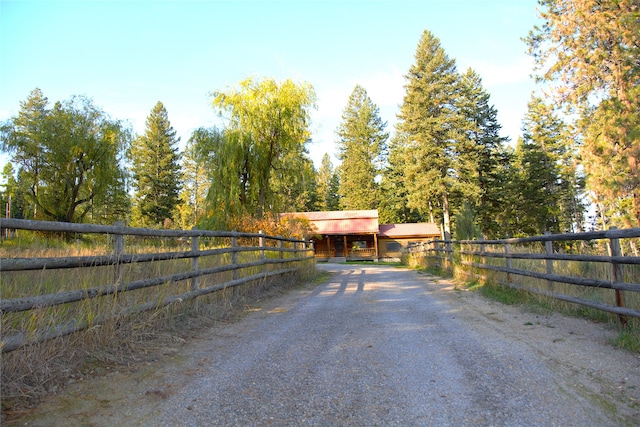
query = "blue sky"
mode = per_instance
[{"x": 127, "y": 55}]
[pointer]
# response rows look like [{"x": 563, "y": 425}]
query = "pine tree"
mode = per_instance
[
  {"x": 361, "y": 147},
  {"x": 429, "y": 118},
  {"x": 480, "y": 154},
  {"x": 393, "y": 208},
  {"x": 548, "y": 182},
  {"x": 156, "y": 169},
  {"x": 14, "y": 194},
  {"x": 327, "y": 186},
  {"x": 589, "y": 50}
]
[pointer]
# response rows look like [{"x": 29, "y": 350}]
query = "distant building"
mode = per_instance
[{"x": 356, "y": 235}]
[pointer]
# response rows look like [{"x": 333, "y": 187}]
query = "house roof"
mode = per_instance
[
  {"x": 409, "y": 230},
  {"x": 331, "y": 215},
  {"x": 342, "y": 222},
  {"x": 363, "y": 222}
]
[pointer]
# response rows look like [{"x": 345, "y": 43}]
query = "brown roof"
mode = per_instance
[
  {"x": 330, "y": 215},
  {"x": 409, "y": 230},
  {"x": 342, "y": 222}
]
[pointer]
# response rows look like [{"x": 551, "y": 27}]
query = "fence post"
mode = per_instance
[
  {"x": 548, "y": 248},
  {"x": 261, "y": 243},
  {"x": 234, "y": 254},
  {"x": 281, "y": 256},
  {"x": 234, "y": 261},
  {"x": 195, "y": 247},
  {"x": 118, "y": 250},
  {"x": 295, "y": 249},
  {"x": 617, "y": 273},
  {"x": 507, "y": 250},
  {"x": 483, "y": 259}
]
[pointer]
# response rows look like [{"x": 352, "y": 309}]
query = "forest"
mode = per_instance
[{"x": 573, "y": 168}]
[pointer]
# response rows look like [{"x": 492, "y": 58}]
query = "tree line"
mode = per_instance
[{"x": 446, "y": 161}]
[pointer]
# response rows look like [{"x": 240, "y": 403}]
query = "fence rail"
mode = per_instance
[
  {"x": 247, "y": 257},
  {"x": 548, "y": 267}
]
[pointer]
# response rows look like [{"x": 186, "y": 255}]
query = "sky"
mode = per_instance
[{"x": 127, "y": 55}]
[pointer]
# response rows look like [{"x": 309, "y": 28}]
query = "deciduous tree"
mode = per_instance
[
  {"x": 69, "y": 157},
  {"x": 267, "y": 122},
  {"x": 195, "y": 175}
]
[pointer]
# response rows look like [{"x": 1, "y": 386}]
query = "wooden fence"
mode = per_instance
[
  {"x": 590, "y": 269},
  {"x": 31, "y": 285}
]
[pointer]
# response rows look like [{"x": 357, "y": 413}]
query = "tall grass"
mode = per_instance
[
  {"x": 28, "y": 373},
  {"x": 492, "y": 282}
]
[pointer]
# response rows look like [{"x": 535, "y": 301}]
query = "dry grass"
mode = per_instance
[
  {"x": 30, "y": 372},
  {"x": 490, "y": 280}
]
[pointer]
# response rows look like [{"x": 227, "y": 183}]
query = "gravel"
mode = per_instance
[{"x": 374, "y": 345}]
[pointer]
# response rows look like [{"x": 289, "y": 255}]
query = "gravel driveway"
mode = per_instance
[{"x": 374, "y": 345}]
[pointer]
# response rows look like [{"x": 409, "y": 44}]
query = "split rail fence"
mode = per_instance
[
  {"x": 593, "y": 269},
  {"x": 42, "y": 300}
]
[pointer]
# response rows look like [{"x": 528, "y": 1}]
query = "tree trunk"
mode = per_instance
[{"x": 446, "y": 217}]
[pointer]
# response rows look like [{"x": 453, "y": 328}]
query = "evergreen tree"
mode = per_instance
[
  {"x": 156, "y": 169},
  {"x": 548, "y": 181},
  {"x": 361, "y": 147},
  {"x": 480, "y": 157},
  {"x": 589, "y": 49},
  {"x": 13, "y": 196},
  {"x": 393, "y": 208},
  {"x": 430, "y": 119},
  {"x": 328, "y": 185}
]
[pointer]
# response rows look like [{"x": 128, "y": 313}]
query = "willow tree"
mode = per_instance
[
  {"x": 267, "y": 122},
  {"x": 588, "y": 51},
  {"x": 69, "y": 159}
]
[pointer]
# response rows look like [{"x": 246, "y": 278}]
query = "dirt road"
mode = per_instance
[{"x": 374, "y": 345}]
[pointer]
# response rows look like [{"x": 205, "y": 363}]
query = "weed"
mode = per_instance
[{"x": 628, "y": 337}]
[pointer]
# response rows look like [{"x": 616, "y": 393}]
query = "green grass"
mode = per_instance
[
  {"x": 628, "y": 336},
  {"x": 372, "y": 263}
]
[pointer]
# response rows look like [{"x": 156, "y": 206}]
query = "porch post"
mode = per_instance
[
  {"x": 375, "y": 245},
  {"x": 345, "y": 250}
]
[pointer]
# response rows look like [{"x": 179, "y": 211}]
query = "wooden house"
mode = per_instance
[
  {"x": 393, "y": 238},
  {"x": 356, "y": 235}
]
